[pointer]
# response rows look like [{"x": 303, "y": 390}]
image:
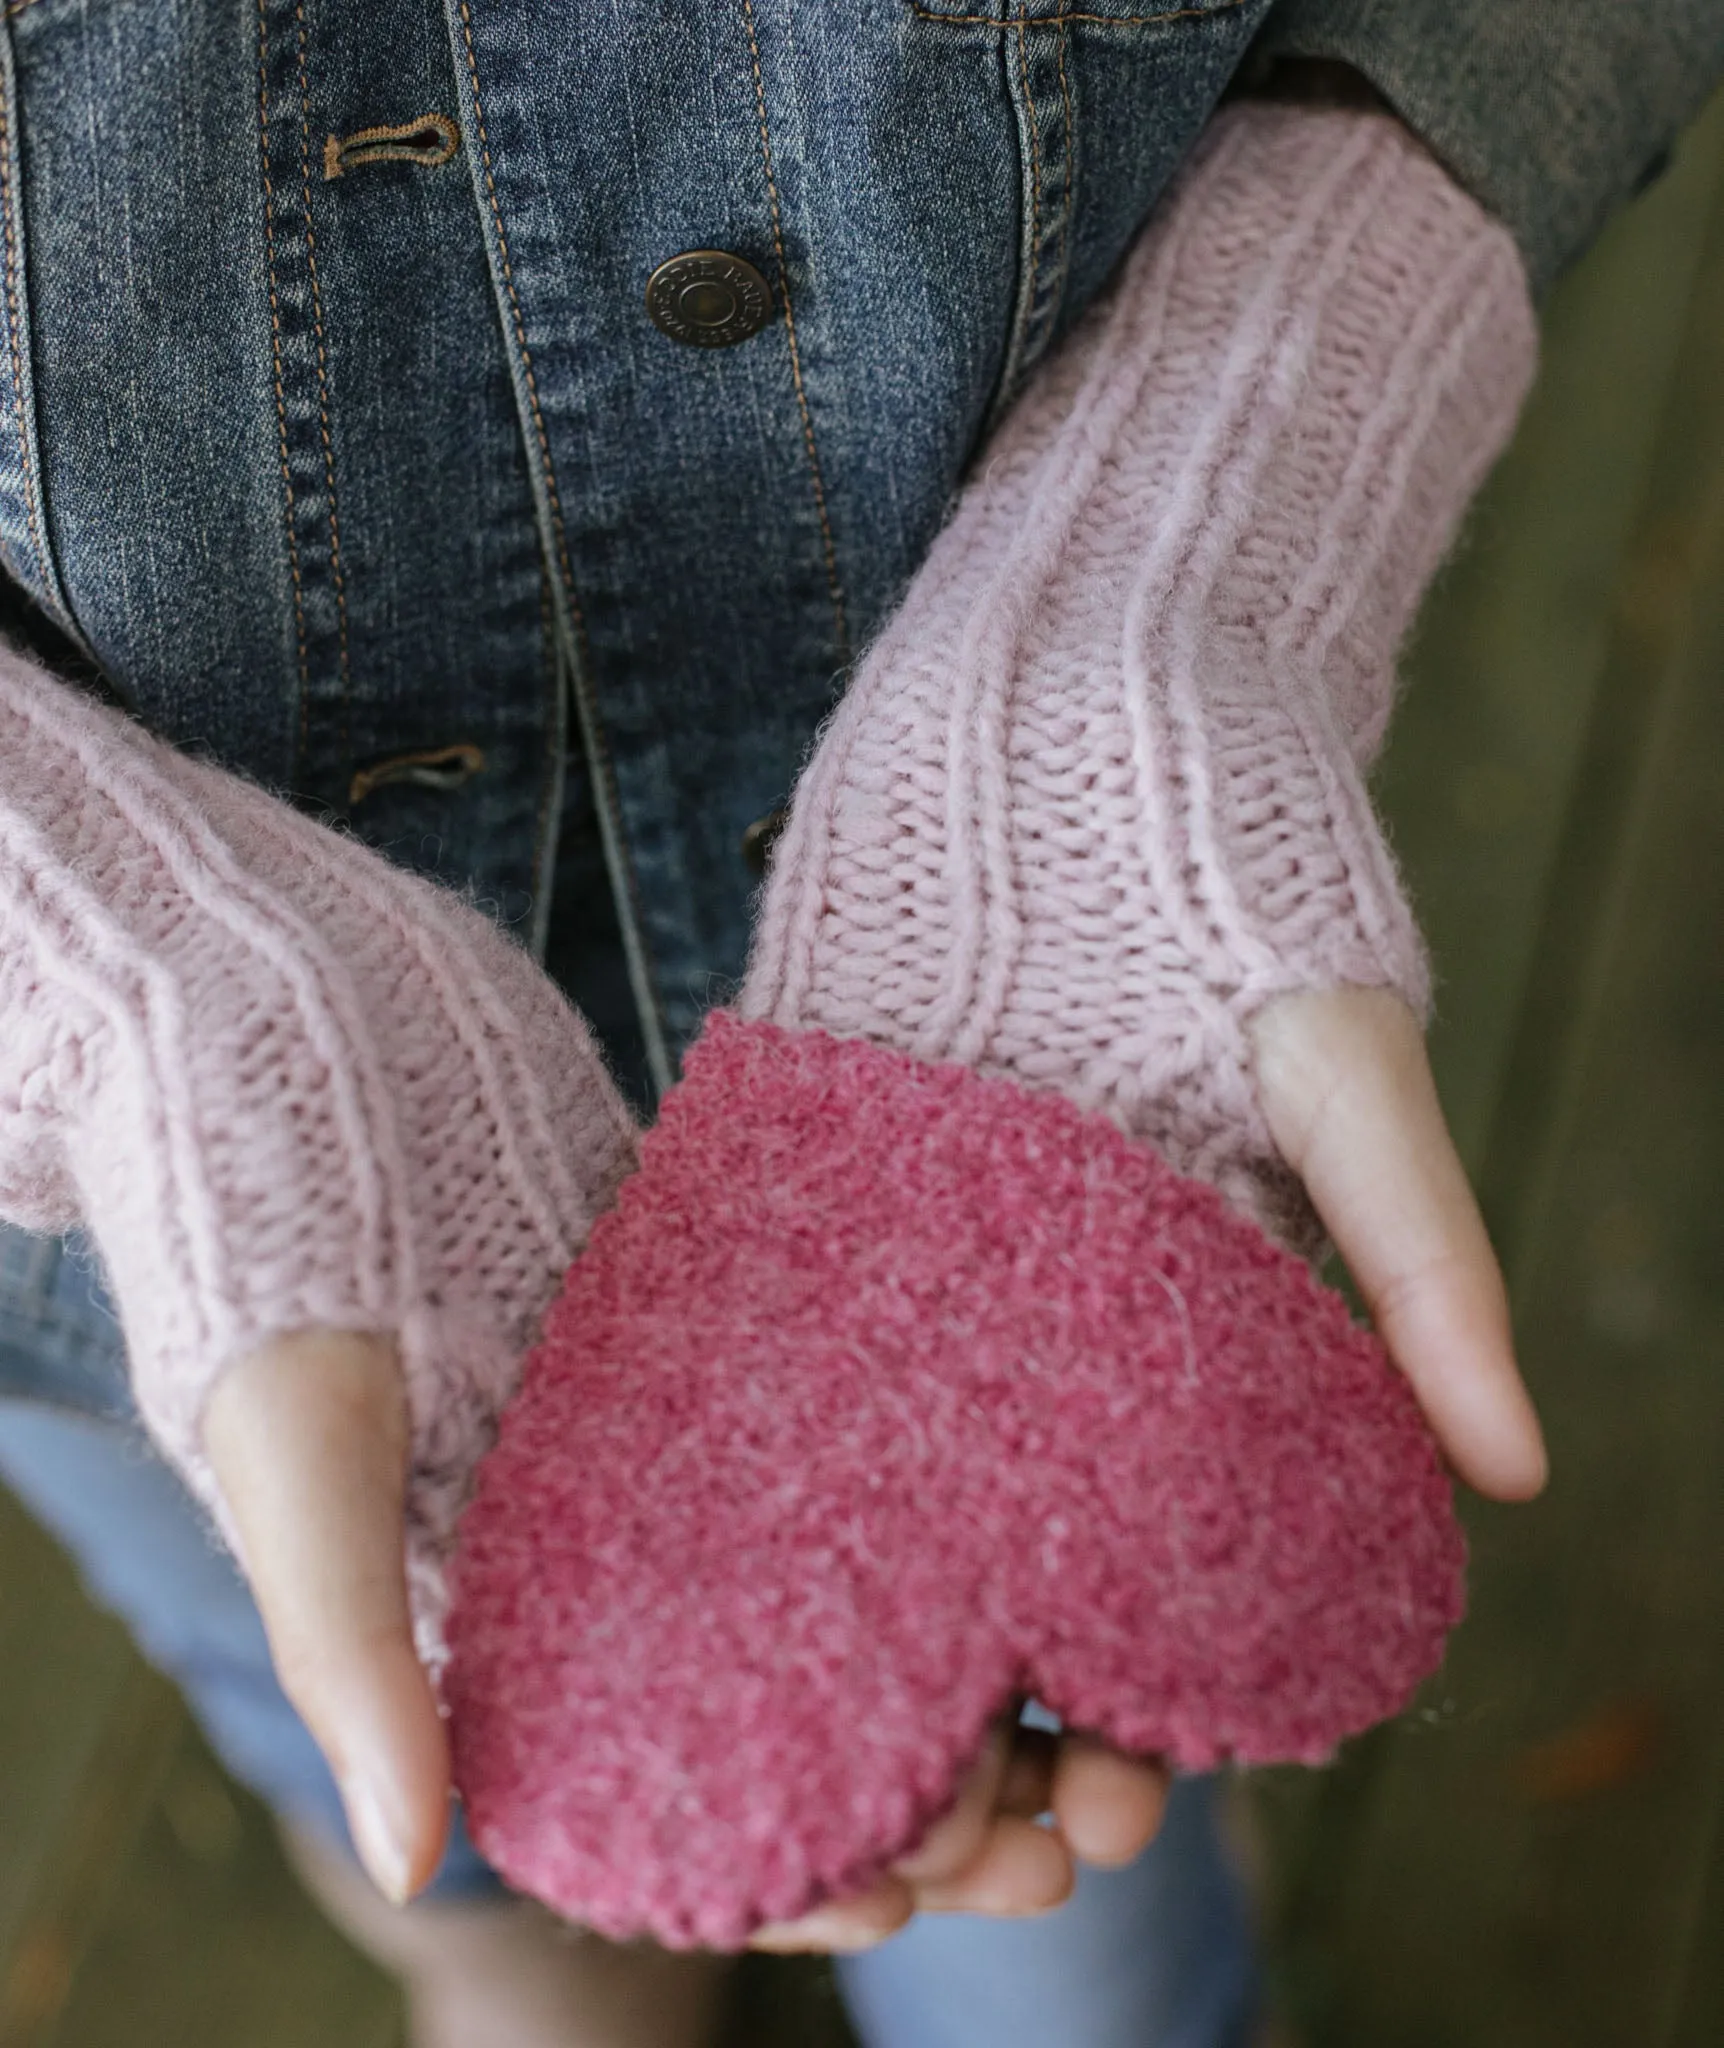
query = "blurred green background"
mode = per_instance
[{"x": 1534, "y": 1856}]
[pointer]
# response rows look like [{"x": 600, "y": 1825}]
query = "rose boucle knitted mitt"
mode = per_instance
[
  {"x": 934, "y": 1356},
  {"x": 284, "y": 1086}
]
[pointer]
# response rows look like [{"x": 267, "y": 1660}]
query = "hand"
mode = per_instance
[
  {"x": 284, "y": 1085},
  {"x": 308, "y": 1441},
  {"x": 1347, "y": 1090},
  {"x": 991, "y": 1854},
  {"x": 1346, "y": 1086}
]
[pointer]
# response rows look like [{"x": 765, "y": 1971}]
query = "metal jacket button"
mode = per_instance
[{"x": 708, "y": 299}]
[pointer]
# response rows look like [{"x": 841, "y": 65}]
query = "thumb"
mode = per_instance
[
  {"x": 1346, "y": 1087},
  {"x": 308, "y": 1439}
]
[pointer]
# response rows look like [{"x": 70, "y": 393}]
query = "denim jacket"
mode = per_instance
[{"x": 336, "y": 435}]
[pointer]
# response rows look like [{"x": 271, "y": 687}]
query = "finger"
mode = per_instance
[
  {"x": 957, "y": 1839},
  {"x": 1028, "y": 1787},
  {"x": 1021, "y": 1869},
  {"x": 1108, "y": 1807},
  {"x": 1347, "y": 1090},
  {"x": 960, "y": 1858},
  {"x": 308, "y": 1440},
  {"x": 845, "y": 1927}
]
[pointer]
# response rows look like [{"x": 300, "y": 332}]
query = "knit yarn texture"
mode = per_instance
[
  {"x": 284, "y": 1086},
  {"x": 1095, "y": 796},
  {"x": 934, "y": 1354},
  {"x": 886, "y": 1394}
]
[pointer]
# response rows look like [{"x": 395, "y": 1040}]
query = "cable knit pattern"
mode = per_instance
[
  {"x": 284, "y": 1085},
  {"x": 1095, "y": 794},
  {"x": 905, "y": 1376}
]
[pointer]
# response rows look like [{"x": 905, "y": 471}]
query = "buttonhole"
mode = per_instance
[
  {"x": 430, "y": 768},
  {"x": 430, "y": 140}
]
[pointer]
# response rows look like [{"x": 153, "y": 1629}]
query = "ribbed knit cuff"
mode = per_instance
[
  {"x": 1095, "y": 796},
  {"x": 285, "y": 1086},
  {"x": 900, "y": 1383}
]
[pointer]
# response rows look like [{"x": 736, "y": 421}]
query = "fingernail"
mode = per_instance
[
  {"x": 838, "y": 1937},
  {"x": 380, "y": 1847},
  {"x": 1005, "y": 1905}
]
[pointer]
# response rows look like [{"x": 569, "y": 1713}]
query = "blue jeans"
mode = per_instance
[
  {"x": 83, "y": 1467},
  {"x": 1157, "y": 1956}
]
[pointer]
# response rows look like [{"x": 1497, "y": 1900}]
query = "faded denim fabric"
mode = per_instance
[
  {"x": 1551, "y": 112},
  {"x": 73, "y": 1451},
  {"x": 382, "y": 487},
  {"x": 373, "y": 485}
]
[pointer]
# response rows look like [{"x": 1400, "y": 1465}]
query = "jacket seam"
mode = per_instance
[
  {"x": 553, "y": 783},
  {"x": 833, "y": 583},
  {"x": 1064, "y": 16},
  {"x": 8, "y": 194},
  {"x": 1034, "y": 125},
  {"x": 1028, "y": 326},
  {"x": 293, "y": 563},
  {"x": 599, "y": 761},
  {"x": 1062, "y": 269},
  {"x": 337, "y": 575}
]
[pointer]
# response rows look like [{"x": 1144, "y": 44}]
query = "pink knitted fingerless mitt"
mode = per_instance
[
  {"x": 284, "y": 1086},
  {"x": 936, "y": 1355}
]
